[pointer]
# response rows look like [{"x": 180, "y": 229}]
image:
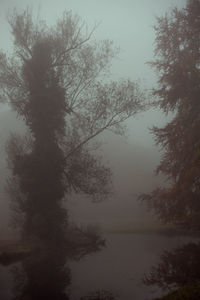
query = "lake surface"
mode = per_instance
[{"x": 118, "y": 268}]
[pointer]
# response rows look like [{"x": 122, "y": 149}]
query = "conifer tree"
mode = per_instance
[{"x": 178, "y": 65}]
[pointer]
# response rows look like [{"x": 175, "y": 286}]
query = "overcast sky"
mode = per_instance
[{"x": 129, "y": 23}]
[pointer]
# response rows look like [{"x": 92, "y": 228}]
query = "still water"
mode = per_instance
[{"x": 118, "y": 267}]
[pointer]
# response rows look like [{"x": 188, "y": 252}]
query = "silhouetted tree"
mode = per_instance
[
  {"x": 178, "y": 65},
  {"x": 56, "y": 82}
]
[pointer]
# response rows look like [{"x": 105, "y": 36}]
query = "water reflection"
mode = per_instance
[
  {"x": 117, "y": 268},
  {"x": 177, "y": 268},
  {"x": 43, "y": 276},
  {"x": 46, "y": 274}
]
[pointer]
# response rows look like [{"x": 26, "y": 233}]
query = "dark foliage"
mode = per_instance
[
  {"x": 99, "y": 295},
  {"x": 191, "y": 292},
  {"x": 177, "y": 268},
  {"x": 178, "y": 66}
]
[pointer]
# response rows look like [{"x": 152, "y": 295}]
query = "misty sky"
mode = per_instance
[{"x": 129, "y": 23}]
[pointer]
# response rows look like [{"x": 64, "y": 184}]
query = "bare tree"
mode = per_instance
[{"x": 56, "y": 80}]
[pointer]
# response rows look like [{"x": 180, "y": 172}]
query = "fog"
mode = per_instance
[
  {"x": 118, "y": 239},
  {"x": 132, "y": 168},
  {"x": 129, "y": 24}
]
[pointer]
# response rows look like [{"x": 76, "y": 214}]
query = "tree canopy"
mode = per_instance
[
  {"x": 178, "y": 66},
  {"x": 56, "y": 80}
]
